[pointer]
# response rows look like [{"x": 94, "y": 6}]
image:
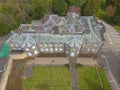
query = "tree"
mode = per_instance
[
  {"x": 4, "y": 28},
  {"x": 14, "y": 12},
  {"x": 116, "y": 16},
  {"x": 59, "y": 7},
  {"x": 110, "y": 10},
  {"x": 7, "y": 16},
  {"x": 112, "y": 2},
  {"x": 90, "y": 7},
  {"x": 40, "y": 7}
]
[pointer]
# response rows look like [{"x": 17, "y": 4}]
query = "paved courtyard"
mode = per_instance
[{"x": 61, "y": 61}]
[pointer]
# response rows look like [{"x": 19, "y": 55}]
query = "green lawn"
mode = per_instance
[
  {"x": 49, "y": 78},
  {"x": 106, "y": 85},
  {"x": 58, "y": 78},
  {"x": 88, "y": 79}
]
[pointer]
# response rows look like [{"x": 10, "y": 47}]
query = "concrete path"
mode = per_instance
[{"x": 73, "y": 73}]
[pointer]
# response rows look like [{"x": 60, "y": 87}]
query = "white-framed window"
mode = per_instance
[
  {"x": 60, "y": 49},
  {"x": 29, "y": 54},
  {"x": 35, "y": 52},
  {"x": 45, "y": 45},
  {"x": 33, "y": 47},
  {"x": 78, "y": 52},
  {"x": 95, "y": 45},
  {"x": 51, "y": 49},
  {"x": 88, "y": 49},
  {"x": 50, "y": 45},
  {"x": 60, "y": 45},
  {"x": 56, "y": 49},
  {"x": 42, "y": 50},
  {"x": 46, "y": 49},
  {"x": 93, "y": 50}
]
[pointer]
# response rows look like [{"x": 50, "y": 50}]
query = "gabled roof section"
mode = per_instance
[
  {"x": 27, "y": 42},
  {"x": 74, "y": 42},
  {"x": 94, "y": 32},
  {"x": 63, "y": 30},
  {"x": 73, "y": 15},
  {"x": 50, "y": 20},
  {"x": 73, "y": 21},
  {"x": 62, "y": 21},
  {"x": 15, "y": 38}
]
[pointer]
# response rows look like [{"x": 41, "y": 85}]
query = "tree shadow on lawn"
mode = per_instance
[
  {"x": 79, "y": 65},
  {"x": 43, "y": 86},
  {"x": 67, "y": 66}
]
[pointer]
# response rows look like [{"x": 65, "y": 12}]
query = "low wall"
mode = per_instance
[{"x": 18, "y": 56}]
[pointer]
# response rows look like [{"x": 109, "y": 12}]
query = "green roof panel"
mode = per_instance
[{"x": 4, "y": 51}]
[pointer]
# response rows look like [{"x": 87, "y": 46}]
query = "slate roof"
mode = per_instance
[
  {"x": 27, "y": 42},
  {"x": 24, "y": 28},
  {"x": 71, "y": 30},
  {"x": 73, "y": 21}
]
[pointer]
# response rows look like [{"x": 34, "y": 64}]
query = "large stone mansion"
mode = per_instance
[{"x": 72, "y": 34}]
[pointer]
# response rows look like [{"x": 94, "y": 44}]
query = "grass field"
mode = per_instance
[
  {"x": 58, "y": 78},
  {"x": 49, "y": 78},
  {"x": 88, "y": 79},
  {"x": 106, "y": 84}
]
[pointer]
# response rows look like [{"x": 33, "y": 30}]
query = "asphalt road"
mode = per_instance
[
  {"x": 109, "y": 56},
  {"x": 3, "y": 61}
]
